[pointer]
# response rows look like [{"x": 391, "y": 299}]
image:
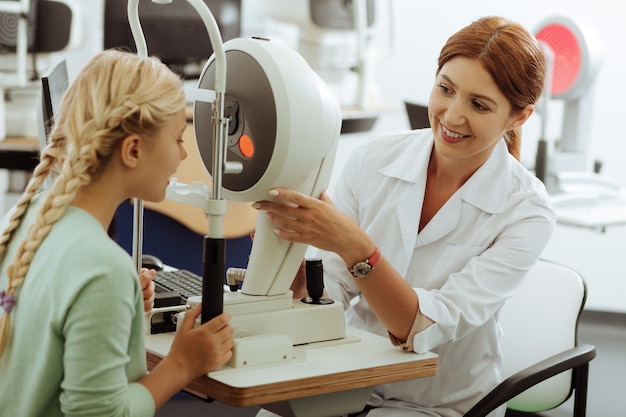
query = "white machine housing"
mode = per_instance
[
  {"x": 300, "y": 129},
  {"x": 262, "y": 119}
]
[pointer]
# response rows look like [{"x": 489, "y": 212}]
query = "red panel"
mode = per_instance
[{"x": 567, "y": 56}]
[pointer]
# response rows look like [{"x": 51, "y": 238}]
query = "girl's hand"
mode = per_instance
[
  {"x": 146, "y": 277},
  {"x": 200, "y": 350}
]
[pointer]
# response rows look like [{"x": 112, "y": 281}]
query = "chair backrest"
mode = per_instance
[
  {"x": 541, "y": 320},
  {"x": 417, "y": 114},
  {"x": 56, "y": 28}
]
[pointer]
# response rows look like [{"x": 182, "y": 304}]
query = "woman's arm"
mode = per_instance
[{"x": 317, "y": 222}]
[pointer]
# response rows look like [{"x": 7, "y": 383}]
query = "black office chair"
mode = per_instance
[
  {"x": 543, "y": 363},
  {"x": 53, "y": 31}
]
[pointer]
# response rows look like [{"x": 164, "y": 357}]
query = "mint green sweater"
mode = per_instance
[{"x": 76, "y": 345}]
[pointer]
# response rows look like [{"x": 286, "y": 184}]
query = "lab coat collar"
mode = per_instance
[
  {"x": 488, "y": 188},
  {"x": 411, "y": 166}
]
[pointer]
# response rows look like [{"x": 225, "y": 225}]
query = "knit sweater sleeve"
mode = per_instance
[
  {"x": 76, "y": 346},
  {"x": 98, "y": 360}
]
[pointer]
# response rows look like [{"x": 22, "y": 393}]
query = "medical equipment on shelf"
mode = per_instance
[
  {"x": 274, "y": 123},
  {"x": 31, "y": 33},
  {"x": 580, "y": 194},
  {"x": 337, "y": 38},
  {"x": 574, "y": 55},
  {"x": 334, "y": 38}
]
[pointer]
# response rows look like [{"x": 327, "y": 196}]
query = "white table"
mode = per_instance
[{"x": 322, "y": 379}]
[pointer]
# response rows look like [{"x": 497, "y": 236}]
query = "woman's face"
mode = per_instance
[{"x": 467, "y": 111}]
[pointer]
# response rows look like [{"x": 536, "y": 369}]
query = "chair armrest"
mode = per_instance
[{"x": 530, "y": 376}]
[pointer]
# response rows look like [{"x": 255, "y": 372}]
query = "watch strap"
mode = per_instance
[{"x": 369, "y": 263}]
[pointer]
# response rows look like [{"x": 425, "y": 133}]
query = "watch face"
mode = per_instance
[{"x": 361, "y": 269}]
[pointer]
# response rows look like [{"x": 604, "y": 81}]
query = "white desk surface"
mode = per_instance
[
  {"x": 364, "y": 359},
  {"x": 587, "y": 199},
  {"x": 596, "y": 213}
]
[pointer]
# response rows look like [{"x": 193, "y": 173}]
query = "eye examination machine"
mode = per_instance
[
  {"x": 574, "y": 55},
  {"x": 581, "y": 194},
  {"x": 262, "y": 119}
]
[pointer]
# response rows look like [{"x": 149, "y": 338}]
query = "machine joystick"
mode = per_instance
[{"x": 315, "y": 283}]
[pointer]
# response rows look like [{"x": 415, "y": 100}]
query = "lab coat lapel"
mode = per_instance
[
  {"x": 445, "y": 221},
  {"x": 486, "y": 190},
  {"x": 410, "y": 167},
  {"x": 409, "y": 210}
]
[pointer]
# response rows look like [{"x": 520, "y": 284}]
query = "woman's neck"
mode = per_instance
[{"x": 451, "y": 173}]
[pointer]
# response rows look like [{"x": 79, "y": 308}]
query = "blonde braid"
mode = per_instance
[
  {"x": 64, "y": 189},
  {"x": 49, "y": 159}
]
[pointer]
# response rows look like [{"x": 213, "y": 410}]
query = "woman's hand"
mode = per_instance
[
  {"x": 146, "y": 277},
  {"x": 317, "y": 222}
]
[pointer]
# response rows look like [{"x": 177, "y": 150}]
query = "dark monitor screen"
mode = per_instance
[
  {"x": 54, "y": 83},
  {"x": 174, "y": 32}
]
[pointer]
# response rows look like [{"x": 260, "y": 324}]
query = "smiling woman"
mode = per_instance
[{"x": 457, "y": 220}]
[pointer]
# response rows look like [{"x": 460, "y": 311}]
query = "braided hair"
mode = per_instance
[{"x": 116, "y": 94}]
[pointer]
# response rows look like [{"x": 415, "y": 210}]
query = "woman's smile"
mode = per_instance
[{"x": 451, "y": 136}]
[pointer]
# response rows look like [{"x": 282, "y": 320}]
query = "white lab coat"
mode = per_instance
[{"x": 463, "y": 265}]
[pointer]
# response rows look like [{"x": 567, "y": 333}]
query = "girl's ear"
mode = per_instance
[
  {"x": 520, "y": 118},
  {"x": 130, "y": 151}
]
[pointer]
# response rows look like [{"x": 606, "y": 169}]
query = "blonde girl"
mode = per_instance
[{"x": 71, "y": 317}]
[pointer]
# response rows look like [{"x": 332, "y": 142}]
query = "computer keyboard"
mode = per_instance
[{"x": 182, "y": 281}]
